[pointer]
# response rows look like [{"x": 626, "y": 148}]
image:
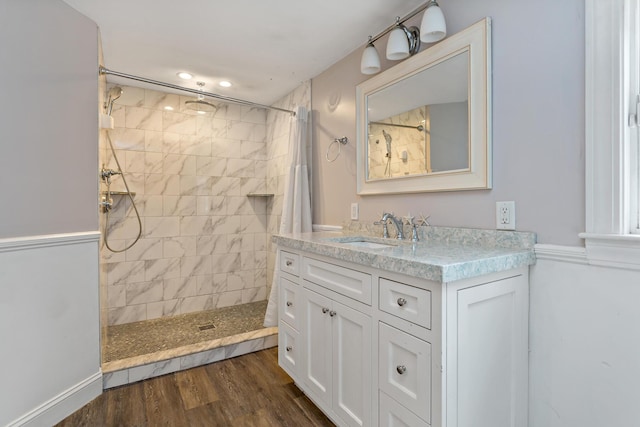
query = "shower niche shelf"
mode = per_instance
[
  {"x": 119, "y": 193},
  {"x": 259, "y": 194}
]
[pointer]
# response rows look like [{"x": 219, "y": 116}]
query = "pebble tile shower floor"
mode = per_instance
[
  {"x": 150, "y": 348},
  {"x": 150, "y": 336}
]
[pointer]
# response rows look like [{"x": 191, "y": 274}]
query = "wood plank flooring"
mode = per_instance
[{"x": 249, "y": 390}]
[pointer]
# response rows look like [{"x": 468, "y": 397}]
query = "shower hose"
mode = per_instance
[{"x": 108, "y": 208}]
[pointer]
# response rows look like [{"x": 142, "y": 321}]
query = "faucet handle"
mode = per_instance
[
  {"x": 385, "y": 229},
  {"x": 414, "y": 233}
]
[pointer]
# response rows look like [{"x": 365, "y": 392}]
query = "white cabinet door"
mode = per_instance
[
  {"x": 351, "y": 332},
  {"x": 317, "y": 344},
  {"x": 487, "y": 375}
]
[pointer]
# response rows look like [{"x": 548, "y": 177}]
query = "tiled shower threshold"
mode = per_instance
[{"x": 147, "y": 349}]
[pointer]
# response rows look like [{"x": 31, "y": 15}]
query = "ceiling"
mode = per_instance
[{"x": 265, "y": 48}]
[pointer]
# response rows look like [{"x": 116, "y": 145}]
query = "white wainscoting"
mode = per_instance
[
  {"x": 49, "y": 327},
  {"x": 584, "y": 341}
]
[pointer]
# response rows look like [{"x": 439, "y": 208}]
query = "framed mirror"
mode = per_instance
[{"x": 425, "y": 124}]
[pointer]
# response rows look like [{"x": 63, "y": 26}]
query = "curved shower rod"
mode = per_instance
[{"x": 104, "y": 70}]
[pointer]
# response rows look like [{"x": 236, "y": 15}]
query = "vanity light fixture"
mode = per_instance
[
  {"x": 433, "y": 27},
  {"x": 370, "y": 62},
  {"x": 404, "y": 42}
]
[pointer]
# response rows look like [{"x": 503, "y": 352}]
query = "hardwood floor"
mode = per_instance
[{"x": 249, "y": 390}]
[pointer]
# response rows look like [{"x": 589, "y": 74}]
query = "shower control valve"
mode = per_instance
[
  {"x": 106, "y": 204},
  {"x": 106, "y": 174}
]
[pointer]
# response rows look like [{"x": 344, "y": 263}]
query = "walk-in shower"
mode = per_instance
[{"x": 202, "y": 188}]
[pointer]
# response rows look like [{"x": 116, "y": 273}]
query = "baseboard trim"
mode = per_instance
[
  {"x": 571, "y": 254},
  {"x": 64, "y": 404},
  {"x": 44, "y": 241}
]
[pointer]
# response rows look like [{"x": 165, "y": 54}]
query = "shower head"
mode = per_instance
[
  {"x": 200, "y": 105},
  {"x": 113, "y": 94}
]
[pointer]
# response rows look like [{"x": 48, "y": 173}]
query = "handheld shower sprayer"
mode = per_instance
[
  {"x": 112, "y": 95},
  {"x": 387, "y": 139}
]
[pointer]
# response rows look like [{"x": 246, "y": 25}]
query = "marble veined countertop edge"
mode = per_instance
[{"x": 437, "y": 260}]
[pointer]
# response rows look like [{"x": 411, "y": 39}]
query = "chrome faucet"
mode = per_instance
[{"x": 397, "y": 222}]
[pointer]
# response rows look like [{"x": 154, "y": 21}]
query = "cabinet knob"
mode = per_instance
[
  {"x": 289, "y": 348},
  {"x": 289, "y": 303},
  {"x": 401, "y": 301},
  {"x": 325, "y": 310},
  {"x": 332, "y": 313},
  {"x": 289, "y": 263},
  {"x": 401, "y": 369}
]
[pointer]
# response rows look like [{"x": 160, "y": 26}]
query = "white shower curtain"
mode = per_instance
[{"x": 296, "y": 205}]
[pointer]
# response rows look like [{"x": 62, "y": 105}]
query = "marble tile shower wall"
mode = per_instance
[{"x": 204, "y": 242}]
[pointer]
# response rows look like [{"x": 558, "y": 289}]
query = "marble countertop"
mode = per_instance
[{"x": 443, "y": 255}]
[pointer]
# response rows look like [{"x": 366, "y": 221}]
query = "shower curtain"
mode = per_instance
[{"x": 296, "y": 205}]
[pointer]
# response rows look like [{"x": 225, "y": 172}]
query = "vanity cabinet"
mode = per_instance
[
  {"x": 337, "y": 357},
  {"x": 373, "y": 347}
]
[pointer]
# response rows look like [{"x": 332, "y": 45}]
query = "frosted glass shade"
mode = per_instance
[
  {"x": 370, "y": 62},
  {"x": 433, "y": 27},
  {"x": 397, "y": 45}
]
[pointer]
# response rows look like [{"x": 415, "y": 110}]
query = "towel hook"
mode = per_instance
[{"x": 340, "y": 141}]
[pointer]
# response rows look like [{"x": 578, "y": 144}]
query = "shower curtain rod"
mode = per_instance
[
  {"x": 419, "y": 127},
  {"x": 104, "y": 70}
]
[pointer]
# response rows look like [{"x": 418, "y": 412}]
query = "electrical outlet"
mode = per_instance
[
  {"x": 506, "y": 215},
  {"x": 354, "y": 211}
]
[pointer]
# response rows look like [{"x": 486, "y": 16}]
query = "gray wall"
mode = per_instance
[
  {"x": 538, "y": 126},
  {"x": 49, "y": 325},
  {"x": 48, "y": 119}
]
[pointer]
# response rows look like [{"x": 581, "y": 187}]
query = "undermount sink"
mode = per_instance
[
  {"x": 369, "y": 245},
  {"x": 363, "y": 242}
]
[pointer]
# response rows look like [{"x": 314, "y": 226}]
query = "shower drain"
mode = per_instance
[{"x": 206, "y": 326}]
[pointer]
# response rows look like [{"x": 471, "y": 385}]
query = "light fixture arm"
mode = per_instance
[{"x": 402, "y": 20}]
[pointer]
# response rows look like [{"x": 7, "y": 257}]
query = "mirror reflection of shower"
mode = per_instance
[
  {"x": 106, "y": 202},
  {"x": 387, "y": 138}
]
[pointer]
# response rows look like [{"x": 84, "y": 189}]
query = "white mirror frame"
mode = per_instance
[{"x": 476, "y": 41}]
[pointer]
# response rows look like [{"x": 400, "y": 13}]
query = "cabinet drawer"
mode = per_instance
[
  {"x": 405, "y": 370},
  {"x": 289, "y": 302},
  {"x": 407, "y": 302},
  {"x": 393, "y": 414},
  {"x": 290, "y": 263},
  {"x": 288, "y": 350},
  {"x": 351, "y": 283}
]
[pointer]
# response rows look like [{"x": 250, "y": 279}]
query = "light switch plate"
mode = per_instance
[{"x": 354, "y": 211}]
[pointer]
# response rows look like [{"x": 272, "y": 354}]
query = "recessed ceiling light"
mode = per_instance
[
  {"x": 225, "y": 83},
  {"x": 202, "y": 112},
  {"x": 168, "y": 108},
  {"x": 185, "y": 75}
]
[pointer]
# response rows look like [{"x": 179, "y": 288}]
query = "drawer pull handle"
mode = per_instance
[
  {"x": 332, "y": 313},
  {"x": 401, "y": 301},
  {"x": 325, "y": 310},
  {"x": 401, "y": 369},
  {"x": 289, "y": 263},
  {"x": 289, "y": 303},
  {"x": 289, "y": 348}
]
